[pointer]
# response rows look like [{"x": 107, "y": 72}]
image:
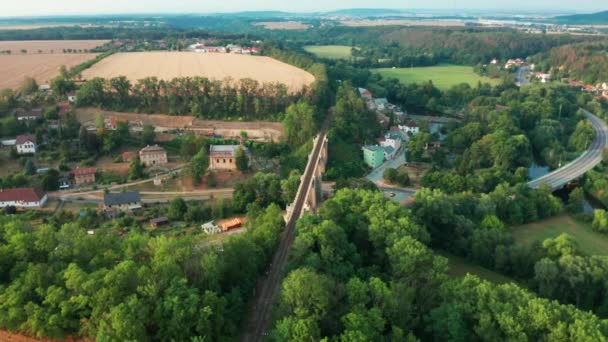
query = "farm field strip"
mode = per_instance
[
  {"x": 169, "y": 65},
  {"x": 42, "y": 67},
  {"x": 443, "y": 76},
  {"x": 46, "y": 46}
]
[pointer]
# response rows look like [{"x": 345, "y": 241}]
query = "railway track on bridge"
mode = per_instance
[
  {"x": 581, "y": 165},
  {"x": 261, "y": 314}
]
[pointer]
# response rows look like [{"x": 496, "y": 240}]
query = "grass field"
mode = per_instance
[
  {"x": 589, "y": 242},
  {"x": 217, "y": 66},
  {"x": 330, "y": 51},
  {"x": 460, "y": 267},
  {"x": 443, "y": 76}
]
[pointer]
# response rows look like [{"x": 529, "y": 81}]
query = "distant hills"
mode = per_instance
[
  {"x": 366, "y": 12},
  {"x": 598, "y": 18}
]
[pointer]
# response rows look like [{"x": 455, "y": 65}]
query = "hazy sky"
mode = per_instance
[{"x": 59, "y": 7}]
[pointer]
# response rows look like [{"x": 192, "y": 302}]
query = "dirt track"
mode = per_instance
[
  {"x": 217, "y": 66},
  {"x": 256, "y": 130}
]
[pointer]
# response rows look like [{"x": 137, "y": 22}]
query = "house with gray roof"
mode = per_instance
[{"x": 121, "y": 202}]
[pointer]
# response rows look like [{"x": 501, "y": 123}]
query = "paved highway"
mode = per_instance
[
  {"x": 585, "y": 162},
  {"x": 261, "y": 315}
]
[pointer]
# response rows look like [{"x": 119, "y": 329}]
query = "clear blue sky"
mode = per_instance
[{"x": 67, "y": 7}]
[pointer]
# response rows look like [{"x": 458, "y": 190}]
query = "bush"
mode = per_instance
[{"x": 395, "y": 176}]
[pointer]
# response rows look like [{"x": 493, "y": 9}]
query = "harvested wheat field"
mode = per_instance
[
  {"x": 283, "y": 25},
  {"x": 48, "y": 46},
  {"x": 15, "y": 68},
  {"x": 217, "y": 66}
]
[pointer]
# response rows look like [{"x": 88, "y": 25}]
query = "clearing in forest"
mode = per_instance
[
  {"x": 460, "y": 267},
  {"x": 217, "y": 66},
  {"x": 443, "y": 76},
  {"x": 330, "y": 51},
  {"x": 589, "y": 242}
]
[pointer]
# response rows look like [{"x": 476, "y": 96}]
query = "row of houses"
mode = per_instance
[
  {"x": 230, "y": 48},
  {"x": 512, "y": 63},
  {"x": 386, "y": 147},
  {"x": 599, "y": 90},
  {"x": 381, "y": 106}
]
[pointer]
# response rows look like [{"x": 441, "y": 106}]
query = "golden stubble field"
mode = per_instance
[
  {"x": 42, "y": 67},
  {"x": 48, "y": 46},
  {"x": 217, "y": 66}
]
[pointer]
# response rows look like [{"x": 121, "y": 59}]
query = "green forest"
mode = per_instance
[{"x": 362, "y": 267}]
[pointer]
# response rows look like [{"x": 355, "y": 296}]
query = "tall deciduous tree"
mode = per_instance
[
  {"x": 200, "y": 163},
  {"x": 136, "y": 168},
  {"x": 299, "y": 123},
  {"x": 242, "y": 162}
]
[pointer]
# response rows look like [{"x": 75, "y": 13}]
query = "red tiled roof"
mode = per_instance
[
  {"x": 21, "y": 139},
  {"x": 21, "y": 194},
  {"x": 128, "y": 155},
  {"x": 84, "y": 171}
]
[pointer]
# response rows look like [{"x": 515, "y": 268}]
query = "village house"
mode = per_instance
[
  {"x": 410, "y": 127},
  {"x": 381, "y": 104},
  {"x": 153, "y": 155},
  {"x": 23, "y": 198},
  {"x": 127, "y": 156},
  {"x": 25, "y": 144},
  {"x": 494, "y": 61},
  {"x": 84, "y": 175},
  {"x": 201, "y": 48},
  {"x": 544, "y": 78},
  {"x": 27, "y": 115},
  {"x": 514, "y": 63},
  {"x": 122, "y": 202},
  {"x": 390, "y": 141},
  {"x": 373, "y": 156},
  {"x": 389, "y": 152},
  {"x": 365, "y": 94},
  {"x": 222, "y": 157}
]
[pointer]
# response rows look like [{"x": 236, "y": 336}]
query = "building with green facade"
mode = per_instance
[{"x": 373, "y": 156}]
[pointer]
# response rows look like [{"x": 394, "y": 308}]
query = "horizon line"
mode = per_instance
[{"x": 296, "y": 12}]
